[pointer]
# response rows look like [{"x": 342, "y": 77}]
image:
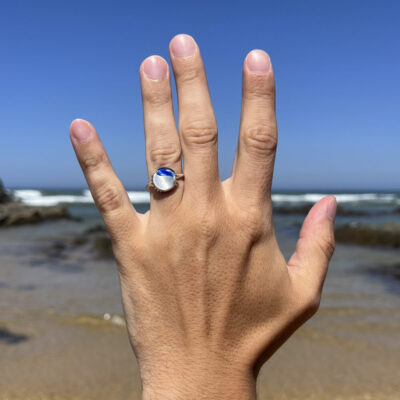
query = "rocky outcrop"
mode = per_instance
[
  {"x": 93, "y": 241},
  {"x": 101, "y": 242},
  {"x": 4, "y": 196},
  {"x": 15, "y": 213},
  {"x": 9, "y": 337},
  {"x": 387, "y": 235},
  {"x": 304, "y": 209}
]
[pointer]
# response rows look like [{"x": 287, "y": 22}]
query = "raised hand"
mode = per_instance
[{"x": 207, "y": 294}]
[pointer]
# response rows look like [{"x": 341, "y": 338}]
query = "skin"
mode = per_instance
[{"x": 208, "y": 296}]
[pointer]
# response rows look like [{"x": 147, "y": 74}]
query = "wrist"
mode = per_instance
[{"x": 183, "y": 380}]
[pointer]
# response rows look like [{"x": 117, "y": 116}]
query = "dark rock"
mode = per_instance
[
  {"x": 10, "y": 337},
  {"x": 14, "y": 213},
  {"x": 305, "y": 208},
  {"x": 102, "y": 246},
  {"x": 4, "y": 196},
  {"x": 285, "y": 210},
  {"x": 349, "y": 212},
  {"x": 100, "y": 241},
  {"x": 369, "y": 235},
  {"x": 389, "y": 274},
  {"x": 390, "y": 270},
  {"x": 95, "y": 229},
  {"x": 96, "y": 239},
  {"x": 79, "y": 240}
]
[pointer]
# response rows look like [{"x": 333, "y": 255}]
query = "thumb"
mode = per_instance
[{"x": 315, "y": 246}]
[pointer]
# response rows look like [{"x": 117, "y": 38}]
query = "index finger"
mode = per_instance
[{"x": 108, "y": 193}]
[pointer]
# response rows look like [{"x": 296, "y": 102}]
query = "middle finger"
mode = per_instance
[{"x": 197, "y": 124}]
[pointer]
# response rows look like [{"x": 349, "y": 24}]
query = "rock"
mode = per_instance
[
  {"x": 286, "y": 210},
  {"x": 14, "y": 213},
  {"x": 349, "y": 212},
  {"x": 102, "y": 246},
  {"x": 369, "y": 235},
  {"x": 100, "y": 241},
  {"x": 392, "y": 271},
  {"x": 4, "y": 196},
  {"x": 305, "y": 208},
  {"x": 96, "y": 240},
  {"x": 96, "y": 229},
  {"x": 10, "y": 337}
]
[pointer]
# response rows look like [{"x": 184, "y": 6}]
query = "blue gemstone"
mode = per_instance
[{"x": 165, "y": 172}]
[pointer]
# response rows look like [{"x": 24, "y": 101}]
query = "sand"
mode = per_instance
[{"x": 68, "y": 350}]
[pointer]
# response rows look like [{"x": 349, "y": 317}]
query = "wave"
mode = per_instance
[
  {"x": 341, "y": 198},
  {"x": 39, "y": 198},
  {"x": 43, "y": 198}
]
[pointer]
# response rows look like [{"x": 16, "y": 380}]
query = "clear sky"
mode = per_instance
[{"x": 337, "y": 67}]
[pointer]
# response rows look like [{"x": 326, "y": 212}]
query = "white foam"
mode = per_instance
[
  {"x": 38, "y": 198},
  {"x": 136, "y": 197},
  {"x": 139, "y": 197},
  {"x": 341, "y": 197},
  {"x": 26, "y": 194}
]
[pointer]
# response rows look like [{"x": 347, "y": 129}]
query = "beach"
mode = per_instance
[{"x": 62, "y": 333}]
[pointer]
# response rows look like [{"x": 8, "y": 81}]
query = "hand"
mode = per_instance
[{"x": 207, "y": 294}]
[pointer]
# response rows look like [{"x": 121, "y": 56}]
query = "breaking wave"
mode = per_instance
[{"x": 48, "y": 198}]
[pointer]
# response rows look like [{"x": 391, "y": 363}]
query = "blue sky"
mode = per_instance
[{"x": 337, "y": 67}]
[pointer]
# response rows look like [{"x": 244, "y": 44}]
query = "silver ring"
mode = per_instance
[{"x": 164, "y": 180}]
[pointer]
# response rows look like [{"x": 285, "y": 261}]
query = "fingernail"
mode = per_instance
[
  {"x": 331, "y": 208},
  {"x": 258, "y": 62},
  {"x": 81, "y": 131},
  {"x": 183, "y": 46},
  {"x": 155, "y": 67}
]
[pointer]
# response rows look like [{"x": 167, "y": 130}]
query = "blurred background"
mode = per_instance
[{"x": 62, "y": 334}]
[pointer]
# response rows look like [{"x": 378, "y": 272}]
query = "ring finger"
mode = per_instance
[{"x": 163, "y": 147}]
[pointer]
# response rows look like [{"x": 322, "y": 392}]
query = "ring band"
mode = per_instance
[{"x": 164, "y": 180}]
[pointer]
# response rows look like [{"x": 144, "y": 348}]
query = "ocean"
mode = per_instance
[
  {"x": 367, "y": 199},
  {"x": 379, "y": 206}
]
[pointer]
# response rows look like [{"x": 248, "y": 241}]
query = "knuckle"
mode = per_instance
[
  {"x": 253, "y": 222},
  {"x": 261, "y": 139},
  {"x": 203, "y": 226},
  {"x": 200, "y": 132},
  {"x": 260, "y": 87},
  {"x": 311, "y": 305},
  {"x": 157, "y": 97},
  {"x": 189, "y": 73},
  {"x": 327, "y": 247},
  {"x": 93, "y": 162},
  {"x": 208, "y": 229},
  {"x": 108, "y": 198},
  {"x": 166, "y": 154},
  {"x": 207, "y": 225}
]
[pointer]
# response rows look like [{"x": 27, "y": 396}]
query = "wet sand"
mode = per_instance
[{"x": 68, "y": 350}]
